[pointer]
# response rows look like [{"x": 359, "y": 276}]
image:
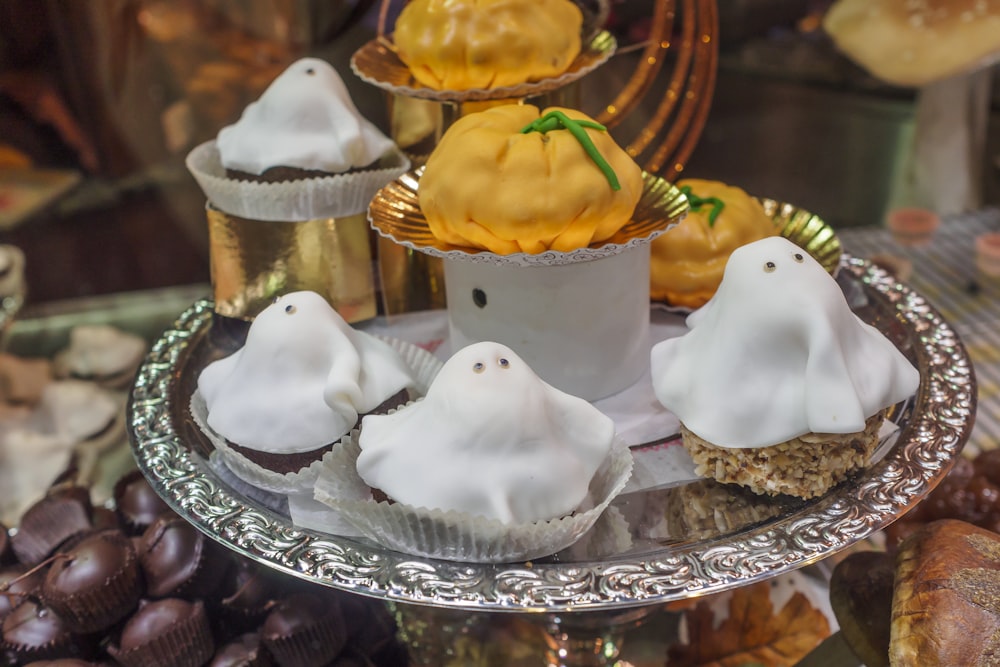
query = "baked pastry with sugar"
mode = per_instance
[
  {"x": 482, "y": 44},
  {"x": 916, "y": 43},
  {"x": 778, "y": 385},
  {"x": 686, "y": 263},
  {"x": 515, "y": 179},
  {"x": 301, "y": 382},
  {"x": 305, "y": 124}
]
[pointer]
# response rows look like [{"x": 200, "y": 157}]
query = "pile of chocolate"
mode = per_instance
[
  {"x": 970, "y": 492},
  {"x": 139, "y": 586}
]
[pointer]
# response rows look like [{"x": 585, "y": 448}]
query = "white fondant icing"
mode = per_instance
[
  {"x": 305, "y": 119},
  {"x": 301, "y": 380},
  {"x": 490, "y": 439},
  {"x": 777, "y": 353}
]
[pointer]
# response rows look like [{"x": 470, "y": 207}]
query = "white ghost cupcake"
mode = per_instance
[
  {"x": 494, "y": 464},
  {"x": 302, "y": 380},
  {"x": 301, "y": 151},
  {"x": 778, "y": 385}
]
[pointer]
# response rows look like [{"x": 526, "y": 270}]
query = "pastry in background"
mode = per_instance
[
  {"x": 687, "y": 262},
  {"x": 916, "y": 43},
  {"x": 23, "y": 379},
  {"x": 482, "y": 44},
  {"x": 778, "y": 385},
  {"x": 102, "y": 354},
  {"x": 515, "y": 179}
]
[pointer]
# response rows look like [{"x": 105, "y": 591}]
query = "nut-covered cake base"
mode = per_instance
[{"x": 806, "y": 466}]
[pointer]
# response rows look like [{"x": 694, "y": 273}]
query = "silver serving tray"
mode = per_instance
[{"x": 634, "y": 558}]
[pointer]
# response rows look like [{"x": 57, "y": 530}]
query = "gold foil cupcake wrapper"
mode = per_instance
[
  {"x": 376, "y": 64},
  {"x": 334, "y": 196},
  {"x": 254, "y": 261},
  {"x": 396, "y": 214},
  {"x": 422, "y": 364},
  {"x": 806, "y": 230},
  {"x": 457, "y": 536}
]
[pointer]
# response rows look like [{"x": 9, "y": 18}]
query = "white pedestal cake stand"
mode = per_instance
[{"x": 599, "y": 584}]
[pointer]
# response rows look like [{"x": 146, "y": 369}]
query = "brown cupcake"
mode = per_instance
[
  {"x": 165, "y": 633},
  {"x": 60, "y": 515},
  {"x": 304, "y": 630},
  {"x": 282, "y": 174},
  {"x": 95, "y": 584},
  {"x": 136, "y": 503},
  {"x": 288, "y": 463},
  {"x": 177, "y": 560},
  {"x": 247, "y": 650},
  {"x": 34, "y": 632}
]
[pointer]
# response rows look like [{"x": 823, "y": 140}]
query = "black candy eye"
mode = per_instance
[
  {"x": 503, "y": 363},
  {"x": 310, "y": 71},
  {"x": 798, "y": 257},
  {"x": 769, "y": 267},
  {"x": 479, "y": 367},
  {"x": 290, "y": 309}
]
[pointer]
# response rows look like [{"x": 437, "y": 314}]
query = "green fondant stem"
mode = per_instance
[
  {"x": 555, "y": 120},
  {"x": 697, "y": 202}
]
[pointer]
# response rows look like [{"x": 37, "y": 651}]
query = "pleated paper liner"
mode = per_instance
[{"x": 455, "y": 535}]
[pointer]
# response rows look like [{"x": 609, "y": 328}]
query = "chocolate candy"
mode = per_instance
[
  {"x": 94, "y": 584},
  {"x": 32, "y": 632},
  {"x": 60, "y": 515},
  {"x": 304, "y": 630},
  {"x": 137, "y": 503},
  {"x": 23, "y": 586},
  {"x": 178, "y": 560},
  {"x": 244, "y": 651},
  {"x": 165, "y": 633}
]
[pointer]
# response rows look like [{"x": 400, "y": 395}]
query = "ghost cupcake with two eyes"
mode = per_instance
[
  {"x": 303, "y": 379},
  {"x": 492, "y": 465},
  {"x": 779, "y": 386}
]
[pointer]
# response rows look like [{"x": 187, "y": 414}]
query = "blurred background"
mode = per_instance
[{"x": 101, "y": 101}]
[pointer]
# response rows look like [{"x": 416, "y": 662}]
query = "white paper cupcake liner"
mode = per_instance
[
  {"x": 334, "y": 196},
  {"x": 454, "y": 535},
  {"x": 422, "y": 364}
]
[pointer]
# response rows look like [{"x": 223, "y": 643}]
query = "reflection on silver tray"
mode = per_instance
[{"x": 172, "y": 453}]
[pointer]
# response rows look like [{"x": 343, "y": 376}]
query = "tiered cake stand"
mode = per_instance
[{"x": 628, "y": 562}]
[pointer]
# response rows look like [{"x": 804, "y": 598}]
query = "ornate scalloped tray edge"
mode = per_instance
[{"x": 938, "y": 426}]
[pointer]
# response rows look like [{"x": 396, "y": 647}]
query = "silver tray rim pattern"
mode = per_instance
[{"x": 927, "y": 446}]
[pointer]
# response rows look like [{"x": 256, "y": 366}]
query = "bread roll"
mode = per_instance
[{"x": 946, "y": 602}]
